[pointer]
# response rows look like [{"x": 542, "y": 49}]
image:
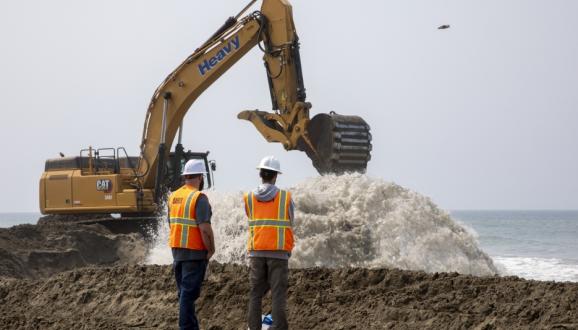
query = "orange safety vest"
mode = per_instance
[
  {"x": 269, "y": 223},
  {"x": 185, "y": 232}
]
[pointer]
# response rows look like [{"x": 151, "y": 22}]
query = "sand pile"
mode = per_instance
[
  {"x": 125, "y": 297},
  {"x": 29, "y": 251},
  {"x": 353, "y": 221}
]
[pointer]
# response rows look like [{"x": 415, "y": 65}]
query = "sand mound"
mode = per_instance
[
  {"x": 29, "y": 251},
  {"x": 145, "y": 297}
]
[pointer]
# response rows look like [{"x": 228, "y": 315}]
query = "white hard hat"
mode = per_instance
[
  {"x": 194, "y": 166},
  {"x": 270, "y": 163}
]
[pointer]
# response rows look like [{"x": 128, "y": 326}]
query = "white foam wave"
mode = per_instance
[
  {"x": 353, "y": 221},
  {"x": 541, "y": 269}
]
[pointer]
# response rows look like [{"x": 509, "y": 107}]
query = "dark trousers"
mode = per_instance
[
  {"x": 268, "y": 274},
  {"x": 189, "y": 276}
]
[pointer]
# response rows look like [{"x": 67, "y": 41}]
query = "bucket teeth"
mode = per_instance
[{"x": 343, "y": 143}]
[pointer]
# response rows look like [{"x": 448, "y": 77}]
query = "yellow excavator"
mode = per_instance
[{"x": 100, "y": 182}]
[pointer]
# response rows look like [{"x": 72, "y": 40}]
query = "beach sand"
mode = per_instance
[{"x": 72, "y": 276}]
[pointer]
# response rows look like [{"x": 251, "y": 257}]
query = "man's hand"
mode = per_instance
[{"x": 208, "y": 238}]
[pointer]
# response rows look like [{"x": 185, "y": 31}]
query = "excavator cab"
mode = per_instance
[
  {"x": 176, "y": 162},
  {"x": 101, "y": 182},
  {"x": 105, "y": 180}
]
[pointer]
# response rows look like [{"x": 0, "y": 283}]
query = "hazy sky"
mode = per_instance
[{"x": 483, "y": 115}]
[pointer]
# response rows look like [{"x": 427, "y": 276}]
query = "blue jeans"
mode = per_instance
[{"x": 189, "y": 276}]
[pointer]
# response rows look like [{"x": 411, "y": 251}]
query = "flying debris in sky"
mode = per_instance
[{"x": 443, "y": 27}]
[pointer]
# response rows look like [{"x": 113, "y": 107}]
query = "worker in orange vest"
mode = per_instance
[
  {"x": 270, "y": 213},
  {"x": 191, "y": 239}
]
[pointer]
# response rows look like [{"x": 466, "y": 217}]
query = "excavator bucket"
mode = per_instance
[{"x": 340, "y": 143}]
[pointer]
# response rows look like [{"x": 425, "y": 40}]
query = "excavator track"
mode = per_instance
[
  {"x": 342, "y": 143},
  {"x": 147, "y": 226}
]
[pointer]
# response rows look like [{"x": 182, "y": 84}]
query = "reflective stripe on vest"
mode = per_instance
[
  {"x": 269, "y": 223},
  {"x": 184, "y": 230}
]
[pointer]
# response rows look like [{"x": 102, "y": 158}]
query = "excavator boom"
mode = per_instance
[
  {"x": 184, "y": 85},
  {"x": 334, "y": 143}
]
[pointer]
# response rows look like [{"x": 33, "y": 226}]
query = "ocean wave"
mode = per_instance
[{"x": 541, "y": 269}]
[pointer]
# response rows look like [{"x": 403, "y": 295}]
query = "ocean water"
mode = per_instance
[{"x": 539, "y": 245}]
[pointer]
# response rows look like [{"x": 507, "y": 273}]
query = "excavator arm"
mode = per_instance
[{"x": 335, "y": 143}]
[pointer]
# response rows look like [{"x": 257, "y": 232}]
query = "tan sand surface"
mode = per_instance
[
  {"x": 84, "y": 277},
  {"x": 124, "y": 297}
]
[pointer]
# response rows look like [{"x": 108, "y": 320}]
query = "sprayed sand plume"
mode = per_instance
[{"x": 353, "y": 221}]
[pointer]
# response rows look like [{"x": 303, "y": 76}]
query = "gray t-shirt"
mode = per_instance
[{"x": 203, "y": 213}]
